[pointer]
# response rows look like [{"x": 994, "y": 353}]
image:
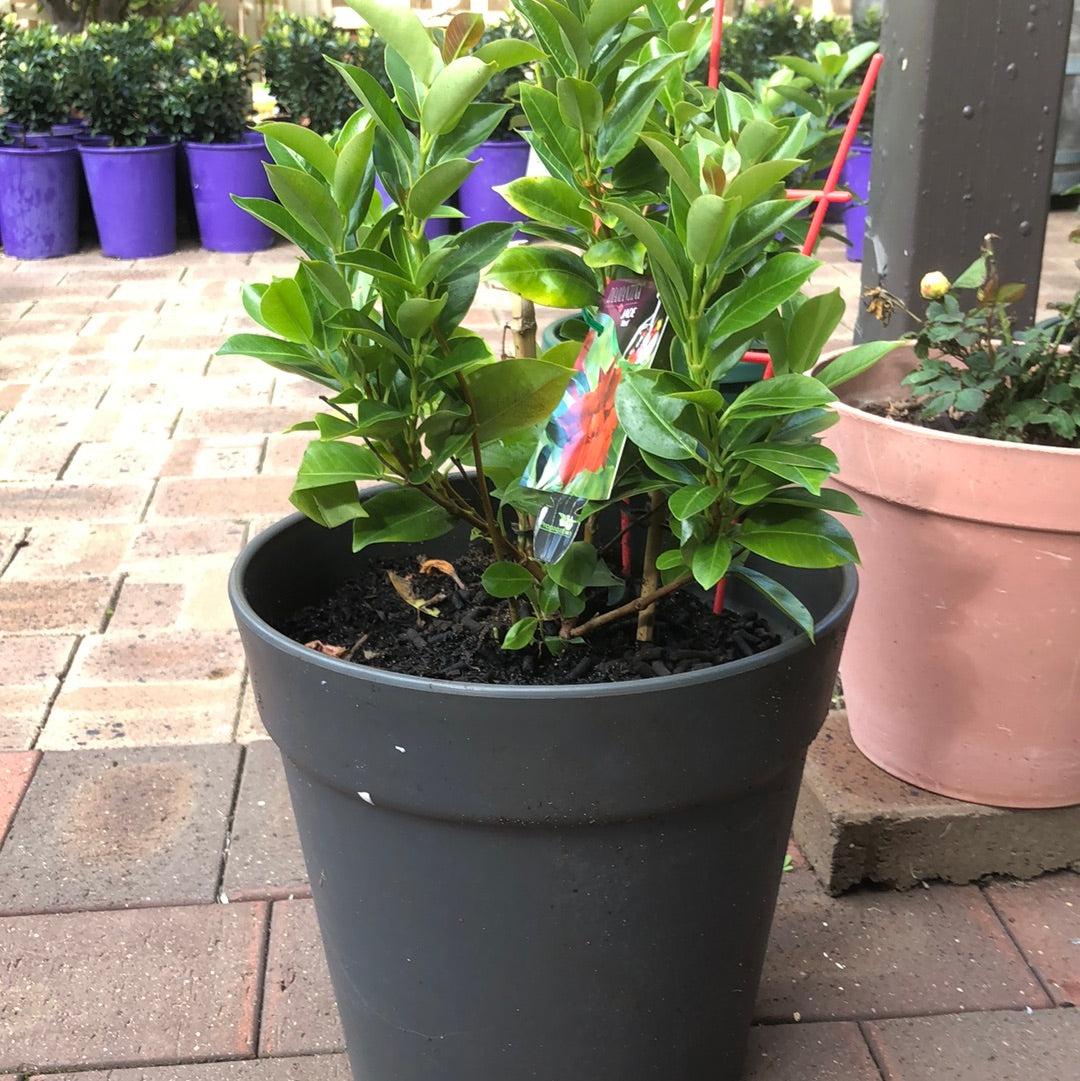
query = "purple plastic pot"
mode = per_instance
[
  {"x": 133, "y": 193},
  {"x": 856, "y": 176},
  {"x": 39, "y": 201},
  {"x": 219, "y": 171},
  {"x": 500, "y": 162}
]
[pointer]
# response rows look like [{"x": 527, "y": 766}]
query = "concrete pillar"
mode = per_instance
[{"x": 965, "y": 119}]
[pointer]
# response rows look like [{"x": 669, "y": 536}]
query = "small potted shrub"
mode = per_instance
[
  {"x": 34, "y": 81},
  {"x": 308, "y": 91},
  {"x": 224, "y": 157},
  {"x": 523, "y": 794},
  {"x": 963, "y": 449},
  {"x": 127, "y": 81}
]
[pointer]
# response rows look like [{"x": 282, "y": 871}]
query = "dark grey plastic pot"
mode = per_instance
[{"x": 537, "y": 883}]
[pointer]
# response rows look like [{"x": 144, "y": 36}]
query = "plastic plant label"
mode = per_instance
[{"x": 580, "y": 446}]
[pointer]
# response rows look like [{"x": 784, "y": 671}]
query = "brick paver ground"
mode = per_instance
[{"x": 155, "y": 915}]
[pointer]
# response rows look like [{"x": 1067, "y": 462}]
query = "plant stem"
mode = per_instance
[
  {"x": 650, "y": 577},
  {"x": 627, "y": 609},
  {"x": 523, "y": 327}
]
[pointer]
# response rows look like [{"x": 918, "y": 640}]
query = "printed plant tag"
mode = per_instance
[{"x": 578, "y": 453}]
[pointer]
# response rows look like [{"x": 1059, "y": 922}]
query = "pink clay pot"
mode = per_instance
[{"x": 961, "y": 669}]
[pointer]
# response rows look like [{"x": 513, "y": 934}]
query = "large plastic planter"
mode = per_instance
[{"x": 546, "y": 882}]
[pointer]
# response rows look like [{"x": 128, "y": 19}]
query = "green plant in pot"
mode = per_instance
[
  {"x": 968, "y": 445},
  {"x": 127, "y": 78},
  {"x": 35, "y": 81},
  {"x": 224, "y": 157},
  {"x": 579, "y": 828},
  {"x": 39, "y": 172},
  {"x": 307, "y": 89}
]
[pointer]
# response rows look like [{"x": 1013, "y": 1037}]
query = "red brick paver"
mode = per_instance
[
  {"x": 299, "y": 1012},
  {"x": 106, "y": 989},
  {"x": 1044, "y": 918},
  {"x": 111, "y": 829},
  {"x": 1042, "y": 1046},
  {"x": 16, "y": 769},
  {"x": 814, "y": 1052},
  {"x": 934, "y": 950},
  {"x": 304, "y": 1068}
]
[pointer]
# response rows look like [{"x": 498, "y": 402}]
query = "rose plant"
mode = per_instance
[
  {"x": 982, "y": 375},
  {"x": 650, "y": 175}
]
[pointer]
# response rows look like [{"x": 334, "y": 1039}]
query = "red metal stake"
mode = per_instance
[
  {"x": 714, "y": 51},
  {"x": 828, "y": 194}
]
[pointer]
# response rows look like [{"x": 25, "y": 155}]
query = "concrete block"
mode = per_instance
[{"x": 858, "y": 824}]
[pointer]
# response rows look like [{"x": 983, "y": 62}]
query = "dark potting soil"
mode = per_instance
[{"x": 368, "y": 621}]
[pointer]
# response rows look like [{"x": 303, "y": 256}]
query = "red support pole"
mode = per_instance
[{"x": 714, "y": 51}]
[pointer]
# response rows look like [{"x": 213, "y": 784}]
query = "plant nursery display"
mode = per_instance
[
  {"x": 39, "y": 173},
  {"x": 126, "y": 79},
  {"x": 224, "y": 157},
  {"x": 963, "y": 451},
  {"x": 306, "y": 88},
  {"x": 544, "y": 784}
]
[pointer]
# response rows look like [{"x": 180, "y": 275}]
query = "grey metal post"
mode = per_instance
[{"x": 964, "y": 128}]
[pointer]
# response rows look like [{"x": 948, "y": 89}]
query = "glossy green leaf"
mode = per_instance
[
  {"x": 648, "y": 417},
  {"x": 435, "y": 186},
  {"x": 779, "y": 396},
  {"x": 780, "y": 596},
  {"x": 616, "y": 251},
  {"x": 580, "y": 568},
  {"x": 399, "y": 514},
  {"x": 830, "y": 499},
  {"x": 796, "y": 537},
  {"x": 807, "y": 466},
  {"x": 670, "y": 157},
  {"x": 811, "y": 327},
  {"x": 281, "y": 221},
  {"x": 710, "y": 561},
  {"x": 760, "y": 293},
  {"x": 382, "y": 109},
  {"x": 404, "y": 33},
  {"x": 328, "y": 506},
  {"x": 580, "y": 104},
  {"x": 514, "y": 394},
  {"x": 750, "y": 184},
  {"x": 550, "y": 276},
  {"x": 506, "y": 53},
  {"x": 687, "y": 502},
  {"x": 625, "y": 119},
  {"x": 504, "y": 580},
  {"x": 604, "y": 15},
  {"x": 521, "y": 634},
  {"x": 557, "y": 145},
  {"x": 308, "y": 201},
  {"x": 708, "y": 225},
  {"x": 417, "y": 315},
  {"x": 352, "y": 162},
  {"x": 305, "y": 143},
  {"x": 329, "y": 463},
  {"x": 855, "y": 361},
  {"x": 328, "y": 280},
  {"x": 453, "y": 90},
  {"x": 283, "y": 355},
  {"x": 284, "y": 311},
  {"x": 547, "y": 199}
]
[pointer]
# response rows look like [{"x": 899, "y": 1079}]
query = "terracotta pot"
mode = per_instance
[{"x": 961, "y": 670}]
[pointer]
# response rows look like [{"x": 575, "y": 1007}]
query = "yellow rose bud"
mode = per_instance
[{"x": 934, "y": 285}]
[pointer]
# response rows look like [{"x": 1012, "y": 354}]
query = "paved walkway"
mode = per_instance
[{"x": 155, "y": 919}]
